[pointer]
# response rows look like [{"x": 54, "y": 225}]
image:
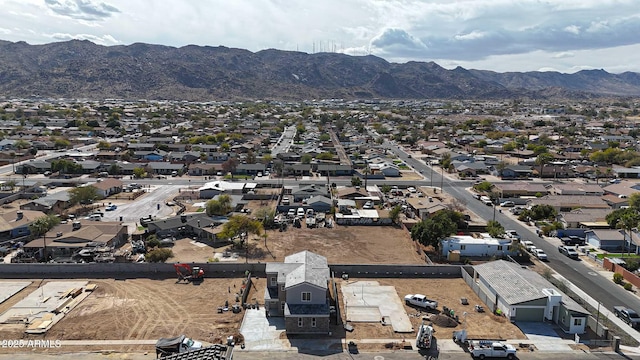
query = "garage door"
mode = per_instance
[{"x": 529, "y": 314}]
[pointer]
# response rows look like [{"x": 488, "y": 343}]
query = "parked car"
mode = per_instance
[
  {"x": 300, "y": 212},
  {"x": 568, "y": 251},
  {"x": 527, "y": 244},
  {"x": 540, "y": 254},
  {"x": 512, "y": 234},
  {"x": 420, "y": 300},
  {"x": 507, "y": 204},
  {"x": 368, "y": 205},
  {"x": 111, "y": 207},
  {"x": 629, "y": 316}
]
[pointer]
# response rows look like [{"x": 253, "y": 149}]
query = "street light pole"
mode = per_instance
[{"x": 442, "y": 177}]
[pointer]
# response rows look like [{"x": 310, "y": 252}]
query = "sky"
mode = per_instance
[{"x": 499, "y": 35}]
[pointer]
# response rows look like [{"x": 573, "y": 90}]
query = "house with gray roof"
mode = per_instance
[
  {"x": 298, "y": 291},
  {"x": 523, "y": 295}
]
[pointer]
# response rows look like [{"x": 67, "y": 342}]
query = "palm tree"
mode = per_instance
[
  {"x": 628, "y": 221},
  {"x": 542, "y": 160}
]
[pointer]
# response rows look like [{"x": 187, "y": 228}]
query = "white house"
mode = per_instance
[
  {"x": 213, "y": 188},
  {"x": 471, "y": 246}
]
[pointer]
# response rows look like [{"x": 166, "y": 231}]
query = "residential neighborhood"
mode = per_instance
[{"x": 304, "y": 202}]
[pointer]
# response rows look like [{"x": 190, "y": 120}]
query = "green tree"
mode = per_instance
[
  {"x": 324, "y": 137},
  {"x": 61, "y": 144},
  {"x": 114, "y": 169},
  {"x": 356, "y": 181},
  {"x": 543, "y": 159},
  {"x": 325, "y": 156},
  {"x": 139, "y": 172},
  {"x": 394, "y": 213},
  {"x": 41, "y": 225},
  {"x": 220, "y": 206},
  {"x": 385, "y": 188},
  {"x": 104, "y": 145},
  {"x": 21, "y": 144},
  {"x": 83, "y": 194},
  {"x": 430, "y": 231},
  {"x": 484, "y": 186},
  {"x": 539, "y": 212},
  {"x": 158, "y": 255},
  {"x": 66, "y": 166},
  {"x": 240, "y": 226},
  {"x": 230, "y": 166},
  {"x": 495, "y": 229},
  {"x": 306, "y": 158}
]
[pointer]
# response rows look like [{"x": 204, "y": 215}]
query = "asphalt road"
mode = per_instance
[
  {"x": 286, "y": 139},
  {"x": 153, "y": 204}
]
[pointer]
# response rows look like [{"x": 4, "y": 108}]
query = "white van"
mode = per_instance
[{"x": 94, "y": 217}]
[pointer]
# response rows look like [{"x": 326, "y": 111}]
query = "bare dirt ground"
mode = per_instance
[
  {"x": 146, "y": 309},
  {"x": 340, "y": 245},
  {"x": 448, "y": 293}
]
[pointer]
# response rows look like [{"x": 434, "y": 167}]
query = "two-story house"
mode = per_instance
[{"x": 298, "y": 290}]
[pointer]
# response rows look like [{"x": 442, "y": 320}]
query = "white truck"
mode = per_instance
[
  {"x": 421, "y": 301},
  {"x": 481, "y": 349},
  {"x": 179, "y": 344}
]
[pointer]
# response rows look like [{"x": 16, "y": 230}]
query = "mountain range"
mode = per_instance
[{"x": 82, "y": 69}]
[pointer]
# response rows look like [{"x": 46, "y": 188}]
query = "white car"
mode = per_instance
[
  {"x": 300, "y": 212},
  {"x": 368, "y": 205},
  {"x": 540, "y": 254}
]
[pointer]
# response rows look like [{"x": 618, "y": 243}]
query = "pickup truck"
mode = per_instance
[
  {"x": 482, "y": 349},
  {"x": 179, "y": 344},
  {"x": 420, "y": 301},
  {"x": 627, "y": 315}
]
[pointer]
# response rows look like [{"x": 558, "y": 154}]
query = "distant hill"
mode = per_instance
[{"x": 81, "y": 69}]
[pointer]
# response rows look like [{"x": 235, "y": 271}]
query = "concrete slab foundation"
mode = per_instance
[
  {"x": 10, "y": 288},
  {"x": 362, "y": 297}
]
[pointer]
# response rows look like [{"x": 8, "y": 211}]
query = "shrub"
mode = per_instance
[
  {"x": 618, "y": 278},
  {"x": 152, "y": 241},
  {"x": 159, "y": 255},
  {"x": 628, "y": 286}
]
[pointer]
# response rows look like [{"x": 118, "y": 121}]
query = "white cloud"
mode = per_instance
[
  {"x": 563, "y": 55},
  {"x": 573, "y": 29},
  {"x": 5, "y": 31},
  {"x": 471, "y": 36}
]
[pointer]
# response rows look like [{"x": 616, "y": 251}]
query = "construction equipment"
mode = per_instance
[
  {"x": 188, "y": 274},
  {"x": 424, "y": 337}
]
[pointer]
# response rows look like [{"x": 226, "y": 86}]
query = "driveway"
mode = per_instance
[
  {"x": 545, "y": 337},
  {"x": 262, "y": 333}
]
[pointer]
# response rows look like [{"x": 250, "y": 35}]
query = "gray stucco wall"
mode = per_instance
[
  {"x": 294, "y": 295},
  {"x": 322, "y": 325}
]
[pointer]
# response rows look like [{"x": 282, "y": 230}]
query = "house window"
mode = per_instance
[
  {"x": 306, "y": 296},
  {"x": 274, "y": 281},
  {"x": 463, "y": 247},
  {"x": 313, "y": 322},
  {"x": 300, "y": 322},
  {"x": 282, "y": 288},
  {"x": 577, "y": 322},
  {"x": 499, "y": 247}
]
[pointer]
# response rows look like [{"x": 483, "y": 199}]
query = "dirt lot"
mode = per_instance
[
  {"x": 340, "y": 245},
  {"x": 448, "y": 293},
  {"x": 146, "y": 309}
]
